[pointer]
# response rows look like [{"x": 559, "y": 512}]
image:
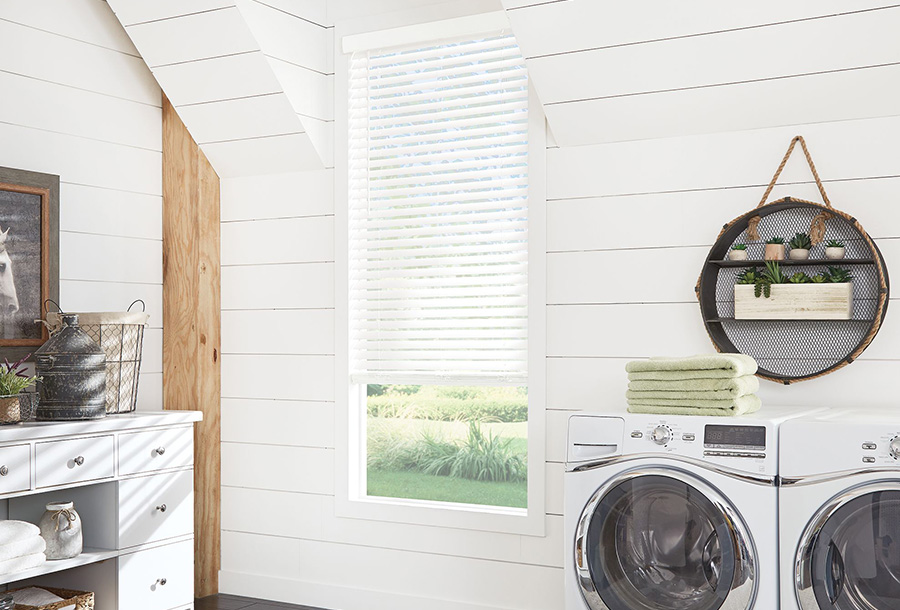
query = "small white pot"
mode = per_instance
[
  {"x": 737, "y": 255},
  {"x": 835, "y": 253},
  {"x": 798, "y": 254}
]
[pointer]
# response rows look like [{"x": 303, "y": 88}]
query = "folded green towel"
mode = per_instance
[
  {"x": 686, "y": 388},
  {"x": 726, "y": 408},
  {"x": 704, "y": 366}
]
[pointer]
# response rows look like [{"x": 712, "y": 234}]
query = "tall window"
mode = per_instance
[{"x": 438, "y": 269}]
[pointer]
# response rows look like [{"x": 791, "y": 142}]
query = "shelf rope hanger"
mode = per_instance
[{"x": 817, "y": 227}]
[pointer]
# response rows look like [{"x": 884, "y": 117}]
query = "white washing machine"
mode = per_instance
[
  {"x": 672, "y": 512},
  {"x": 839, "y": 505}
]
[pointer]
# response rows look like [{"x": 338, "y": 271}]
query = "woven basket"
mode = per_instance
[
  {"x": 83, "y": 600},
  {"x": 121, "y": 335}
]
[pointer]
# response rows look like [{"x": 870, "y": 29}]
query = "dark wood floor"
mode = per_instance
[{"x": 233, "y": 602}]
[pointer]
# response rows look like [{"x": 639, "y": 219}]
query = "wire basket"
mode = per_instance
[
  {"x": 121, "y": 336},
  {"x": 18, "y": 408}
]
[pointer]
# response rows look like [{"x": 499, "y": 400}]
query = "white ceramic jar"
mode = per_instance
[{"x": 61, "y": 530}]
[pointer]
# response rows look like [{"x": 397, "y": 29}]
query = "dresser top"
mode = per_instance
[{"x": 137, "y": 420}]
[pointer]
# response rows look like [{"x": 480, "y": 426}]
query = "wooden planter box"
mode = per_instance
[{"x": 795, "y": 302}]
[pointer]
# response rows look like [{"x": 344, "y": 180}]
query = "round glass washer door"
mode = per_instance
[
  {"x": 663, "y": 540},
  {"x": 849, "y": 557}
]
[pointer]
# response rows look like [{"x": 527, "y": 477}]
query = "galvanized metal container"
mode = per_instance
[{"x": 72, "y": 368}]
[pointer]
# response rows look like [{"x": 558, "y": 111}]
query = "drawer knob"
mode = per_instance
[
  {"x": 160, "y": 450},
  {"x": 79, "y": 460},
  {"x": 161, "y": 508},
  {"x": 4, "y": 471},
  {"x": 161, "y": 581}
]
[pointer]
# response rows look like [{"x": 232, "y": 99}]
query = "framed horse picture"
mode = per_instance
[{"x": 29, "y": 258}]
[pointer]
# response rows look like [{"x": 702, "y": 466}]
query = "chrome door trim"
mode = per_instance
[
  {"x": 835, "y": 476},
  {"x": 746, "y": 477},
  {"x": 803, "y": 585},
  {"x": 741, "y": 596}
]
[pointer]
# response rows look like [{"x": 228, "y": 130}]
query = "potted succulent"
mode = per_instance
[
  {"x": 800, "y": 245},
  {"x": 738, "y": 252},
  {"x": 13, "y": 381},
  {"x": 773, "y": 295},
  {"x": 774, "y": 249},
  {"x": 834, "y": 250}
]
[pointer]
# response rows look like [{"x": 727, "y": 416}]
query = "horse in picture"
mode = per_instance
[{"x": 9, "y": 300}]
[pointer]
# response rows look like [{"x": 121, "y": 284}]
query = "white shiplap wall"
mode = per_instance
[
  {"x": 79, "y": 102},
  {"x": 669, "y": 124}
]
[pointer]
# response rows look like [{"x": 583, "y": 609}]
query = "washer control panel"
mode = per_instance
[
  {"x": 850, "y": 444},
  {"x": 881, "y": 449}
]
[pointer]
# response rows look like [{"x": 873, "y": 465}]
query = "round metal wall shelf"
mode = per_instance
[{"x": 795, "y": 350}]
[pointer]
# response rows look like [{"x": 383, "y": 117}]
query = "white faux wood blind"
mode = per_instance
[{"x": 439, "y": 214}]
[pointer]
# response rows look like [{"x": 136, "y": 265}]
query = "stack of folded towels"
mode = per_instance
[
  {"x": 21, "y": 546},
  {"x": 710, "y": 384}
]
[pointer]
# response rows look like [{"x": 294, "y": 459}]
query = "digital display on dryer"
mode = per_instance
[{"x": 742, "y": 437}]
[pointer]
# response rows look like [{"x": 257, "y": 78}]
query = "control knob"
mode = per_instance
[
  {"x": 662, "y": 435},
  {"x": 895, "y": 448}
]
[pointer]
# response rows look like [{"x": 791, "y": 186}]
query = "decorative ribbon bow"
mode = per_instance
[{"x": 70, "y": 515}]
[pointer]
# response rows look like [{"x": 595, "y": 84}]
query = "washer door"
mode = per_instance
[
  {"x": 849, "y": 557},
  {"x": 663, "y": 540}
]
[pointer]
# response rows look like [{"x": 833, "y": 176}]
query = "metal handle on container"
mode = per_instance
[
  {"x": 79, "y": 460},
  {"x": 161, "y": 508},
  {"x": 161, "y": 581},
  {"x": 46, "y": 362},
  {"x": 160, "y": 450},
  {"x": 4, "y": 471}
]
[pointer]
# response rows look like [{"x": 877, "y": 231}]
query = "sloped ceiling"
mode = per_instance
[{"x": 252, "y": 81}]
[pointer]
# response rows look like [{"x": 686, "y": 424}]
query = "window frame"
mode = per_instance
[{"x": 350, "y": 428}]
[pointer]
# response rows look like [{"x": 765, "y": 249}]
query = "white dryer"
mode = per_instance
[
  {"x": 672, "y": 513},
  {"x": 839, "y": 505}
]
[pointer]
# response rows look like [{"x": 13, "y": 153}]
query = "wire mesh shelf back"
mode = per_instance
[
  {"x": 794, "y": 350},
  {"x": 121, "y": 336}
]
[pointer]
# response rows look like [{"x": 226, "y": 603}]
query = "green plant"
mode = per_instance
[
  {"x": 749, "y": 276},
  {"x": 800, "y": 278},
  {"x": 838, "y": 275},
  {"x": 739, "y": 247},
  {"x": 774, "y": 274},
  {"x": 833, "y": 243},
  {"x": 801, "y": 241},
  {"x": 819, "y": 279},
  {"x": 775, "y": 240},
  {"x": 13, "y": 378}
]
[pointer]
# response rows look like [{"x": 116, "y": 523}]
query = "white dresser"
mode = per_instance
[{"x": 131, "y": 478}]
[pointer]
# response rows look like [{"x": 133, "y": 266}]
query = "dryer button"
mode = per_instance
[
  {"x": 637, "y": 434},
  {"x": 869, "y": 446},
  {"x": 868, "y": 460},
  {"x": 688, "y": 436}
]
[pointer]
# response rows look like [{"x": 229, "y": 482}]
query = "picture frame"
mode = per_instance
[{"x": 29, "y": 258}]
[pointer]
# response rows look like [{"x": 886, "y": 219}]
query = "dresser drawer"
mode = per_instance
[
  {"x": 142, "y": 574},
  {"x": 155, "y": 450},
  {"x": 155, "y": 508},
  {"x": 15, "y": 469},
  {"x": 74, "y": 461}
]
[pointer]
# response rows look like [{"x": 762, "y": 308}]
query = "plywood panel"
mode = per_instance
[
  {"x": 287, "y": 377},
  {"x": 251, "y": 117},
  {"x": 193, "y": 37},
  {"x": 305, "y": 469},
  {"x": 307, "y": 286},
  {"x": 278, "y": 196},
  {"x": 76, "y": 64},
  {"x": 191, "y": 316},
  {"x": 842, "y": 150},
  {"x": 816, "y": 98},
  {"x": 288, "y": 331},
  {"x": 728, "y": 57},
  {"x": 284, "y": 240},
  {"x": 300, "y": 424},
  {"x": 222, "y": 78},
  {"x": 558, "y": 27}
]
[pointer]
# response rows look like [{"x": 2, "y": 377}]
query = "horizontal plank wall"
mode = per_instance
[
  {"x": 192, "y": 306},
  {"x": 78, "y": 101}
]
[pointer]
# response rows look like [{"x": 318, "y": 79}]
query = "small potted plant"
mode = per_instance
[
  {"x": 774, "y": 249},
  {"x": 835, "y": 249},
  {"x": 13, "y": 381},
  {"x": 771, "y": 294},
  {"x": 800, "y": 245},
  {"x": 738, "y": 252}
]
